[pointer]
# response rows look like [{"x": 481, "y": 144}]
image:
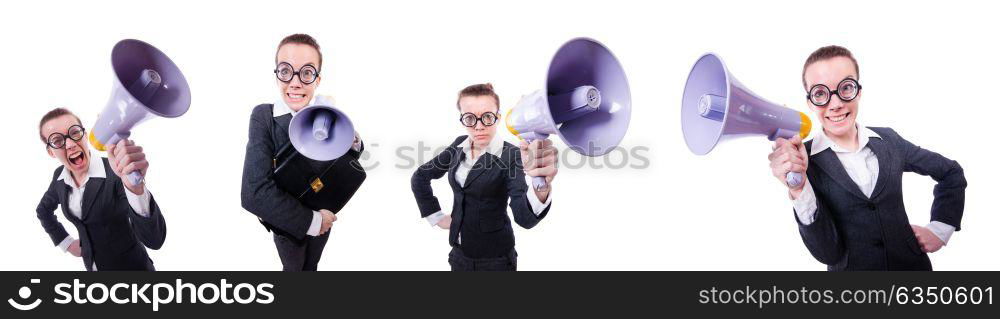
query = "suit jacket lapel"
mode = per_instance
[
  {"x": 829, "y": 163},
  {"x": 482, "y": 163},
  {"x": 283, "y": 122},
  {"x": 460, "y": 156},
  {"x": 64, "y": 199},
  {"x": 885, "y": 164},
  {"x": 94, "y": 186}
]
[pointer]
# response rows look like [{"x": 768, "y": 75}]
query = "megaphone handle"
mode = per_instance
[
  {"x": 537, "y": 182},
  {"x": 793, "y": 179},
  {"x": 135, "y": 177}
]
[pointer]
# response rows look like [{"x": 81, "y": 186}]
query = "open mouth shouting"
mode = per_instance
[{"x": 77, "y": 159}]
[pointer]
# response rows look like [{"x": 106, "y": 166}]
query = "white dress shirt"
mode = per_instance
[
  {"x": 862, "y": 166},
  {"x": 281, "y": 108},
  {"x": 139, "y": 203},
  {"x": 495, "y": 148}
]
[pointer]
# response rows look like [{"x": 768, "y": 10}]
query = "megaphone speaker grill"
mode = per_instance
[{"x": 321, "y": 132}]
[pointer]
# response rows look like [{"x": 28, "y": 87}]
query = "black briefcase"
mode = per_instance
[{"x": 318, "y": 185}]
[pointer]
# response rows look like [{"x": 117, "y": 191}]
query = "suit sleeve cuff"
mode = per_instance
[
  {"x": 434, "y": 218},
  {"x": 537, "y": 206},
  {"x": 139, "y": 203},
  {"x": 941, "y": 230},
  {"x": 64, "y": 245},
  {"x": 805, "y": 205},
  {"x": 314, "y": 227}
]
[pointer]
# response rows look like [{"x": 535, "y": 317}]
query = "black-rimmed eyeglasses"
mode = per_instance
[
  {"x": 847, "y": 90},
  {"x": 58, "y": 140},
  {"x": 307, "y": 74},
  {"x": 488, "y": 119}
]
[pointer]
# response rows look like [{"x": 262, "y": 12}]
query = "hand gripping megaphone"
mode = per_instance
[
  {"x": 585, "y": 100},
  {"x": 321, "y": 132},
  {"x": 717, "y": 107},
  {"x": 146, "y": 85}
]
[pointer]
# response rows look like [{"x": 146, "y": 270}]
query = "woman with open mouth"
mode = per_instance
[{"x": 111, "y": 215}]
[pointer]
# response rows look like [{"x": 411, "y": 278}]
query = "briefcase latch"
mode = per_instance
[{"x": 316, "y": 185}]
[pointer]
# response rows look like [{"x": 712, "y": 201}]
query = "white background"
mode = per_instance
[{"x": 928, "y": 69}]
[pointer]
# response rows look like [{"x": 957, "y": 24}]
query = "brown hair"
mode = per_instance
[
  {"x": 54, "y": 113},
  {"x": 825, "y": 53},
  {"x": 300, "y": 38},
  {"x": 485, "y": 89}
]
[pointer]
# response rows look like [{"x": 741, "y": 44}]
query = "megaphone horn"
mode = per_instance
[
  {"x": 321, "y": 132},
  {"x": 585, "y": 100},
  {"x": 717, "y": 107},
  {"x": 147, "y": 84}
]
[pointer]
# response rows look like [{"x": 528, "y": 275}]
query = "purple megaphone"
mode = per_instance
[
  {"x": 585, "y": 100},
  {"x": 717, "y": 107},
  {"x": 146, "y": 85},
  {"x": 321, "y": 132}
]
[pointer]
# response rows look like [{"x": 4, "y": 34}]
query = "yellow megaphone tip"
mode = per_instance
[
  {"x": 95, "y": 143},
  {"x": 510, "y": 126},
  {"x": 806, "y": 127}
]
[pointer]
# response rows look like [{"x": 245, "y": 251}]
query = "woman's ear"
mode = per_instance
[{"x": 49, "y": 150}]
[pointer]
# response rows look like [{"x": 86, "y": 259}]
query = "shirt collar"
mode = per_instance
[
  {"x": 495, "y": 146},
  {"x": 280, "y": 108},
  {"x": 95, "y": 170},
  {"x": 822, "y": 142}
]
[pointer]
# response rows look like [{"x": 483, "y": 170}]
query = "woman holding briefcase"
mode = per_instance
[{"x": 300, "y": 229}]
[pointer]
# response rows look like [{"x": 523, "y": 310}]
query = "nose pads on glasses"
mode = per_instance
[{"x": 835, "y": 103}]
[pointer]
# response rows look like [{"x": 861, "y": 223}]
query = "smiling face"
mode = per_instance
[
  {"x": 480, "y": 134},
  {"x": 75, "y": 156},
  {"x": 296, "y": 94},
  {"x": 837, "y": 117}
]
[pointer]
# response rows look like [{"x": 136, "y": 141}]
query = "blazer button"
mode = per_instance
[{"x": 871, "y": 206}]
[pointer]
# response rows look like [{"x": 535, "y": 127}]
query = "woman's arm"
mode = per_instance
[
  {"x": 819, "y": 232},
  {"x": 259, "y": 194},
  {"x": 525, "y": 213},
  {"x": 420, "y": 182},
  {"x": 46, "y": 213},
  {"x": 144, "y": 215},
  {"x": 949, "y": 193}
]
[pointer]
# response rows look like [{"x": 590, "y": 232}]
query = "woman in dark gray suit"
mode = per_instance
[
  {"x": 486, "y": 175},
  {"x": 850, "y": 209},
  {"x": 300, "y": 233}
]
